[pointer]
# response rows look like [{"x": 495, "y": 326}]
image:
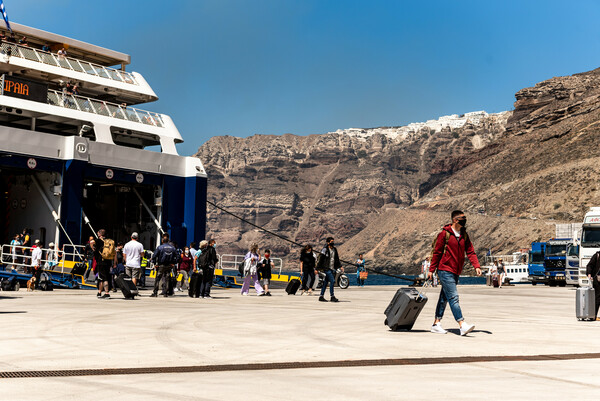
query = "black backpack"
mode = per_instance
[{"x": 202, "y": 261}]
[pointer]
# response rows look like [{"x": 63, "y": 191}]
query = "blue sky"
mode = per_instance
[{"x": 307, "y": 67}]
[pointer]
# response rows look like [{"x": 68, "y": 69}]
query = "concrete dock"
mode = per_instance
[{"x": 69, "y": 345}]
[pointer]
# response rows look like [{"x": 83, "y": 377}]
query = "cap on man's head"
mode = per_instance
[
  {"x": 37, "y": 241},
  {"x": 51, "y": 244},
  {"x": 134, "y": 235}
]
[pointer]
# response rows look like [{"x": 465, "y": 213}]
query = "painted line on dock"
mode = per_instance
[{"x": 294, "y": 365}]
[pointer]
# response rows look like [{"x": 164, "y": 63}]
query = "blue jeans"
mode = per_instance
[
  {"x": 448, "y": 294},
  {"x": 329, "y": 278}
]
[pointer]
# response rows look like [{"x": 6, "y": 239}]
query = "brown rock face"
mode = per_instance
[
  {"x": 308, "y": 188},
  {"x": 387, "y": 191}
]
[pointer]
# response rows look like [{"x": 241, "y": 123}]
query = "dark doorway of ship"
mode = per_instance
[
  {"x": 23, "y": 207},
  {"x": 117, "y": 209}
]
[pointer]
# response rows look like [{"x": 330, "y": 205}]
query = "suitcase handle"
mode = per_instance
[{"x": 426, "y": 284}]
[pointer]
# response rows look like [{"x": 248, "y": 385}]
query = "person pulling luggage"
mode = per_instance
[
  {"x": 592, "y": 270},
  {"x": 451, "y": 246}
]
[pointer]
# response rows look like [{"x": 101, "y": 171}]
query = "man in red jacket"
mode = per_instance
[{"x": 451, "y": 246}]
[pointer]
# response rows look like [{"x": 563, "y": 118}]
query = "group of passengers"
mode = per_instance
[
  {"x": 30, "y": 259},
  {"x": 326, "y": 263},
  {"x": 177, "y": 270}
]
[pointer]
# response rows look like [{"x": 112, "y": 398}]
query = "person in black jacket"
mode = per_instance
[
  {"x": 164, "y": 257},
  {"x": 266, "y": 266},
  {"x": 307, "y": 269},
  {"x": 213, "y": 262},
  {"x": 329, "y": 262},
  {"x": 592, "y": 269}
]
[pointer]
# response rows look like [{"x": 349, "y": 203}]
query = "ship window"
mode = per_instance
[{"x": 133, "y": 139}]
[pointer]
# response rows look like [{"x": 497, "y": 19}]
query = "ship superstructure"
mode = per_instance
[{"x": 75, "y": 146}]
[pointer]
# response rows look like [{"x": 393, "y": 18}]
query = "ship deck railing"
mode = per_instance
[
  {"x": 232, "y": 262},
  {"x": 18, "y": 258},
  {"x": 69, "y": 63},
  {"x": 103, "y": 108}
]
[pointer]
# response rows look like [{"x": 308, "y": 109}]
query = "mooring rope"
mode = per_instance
[{"x": 302, "y": 246}]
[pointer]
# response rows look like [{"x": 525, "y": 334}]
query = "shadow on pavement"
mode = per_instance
[{"x": 457, "y": 331}]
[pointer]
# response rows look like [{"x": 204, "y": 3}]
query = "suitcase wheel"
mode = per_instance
[{"x": 385, "y": 322}]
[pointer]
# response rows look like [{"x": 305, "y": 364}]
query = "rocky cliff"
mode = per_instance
[{"x": 386, "y": 191}]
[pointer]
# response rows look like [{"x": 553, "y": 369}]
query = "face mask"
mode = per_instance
[
  {"x": 462, "y": 222},
  {"x": 187, "y": 252},
  {"x": 331, "y": 243}
]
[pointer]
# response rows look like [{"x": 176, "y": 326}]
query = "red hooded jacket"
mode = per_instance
[{"x": 454, "y": 258}]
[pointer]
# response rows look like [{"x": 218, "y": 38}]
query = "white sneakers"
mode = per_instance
[
  {"x": 466, "y": 328},
  {"x": 437, "y": 328}
]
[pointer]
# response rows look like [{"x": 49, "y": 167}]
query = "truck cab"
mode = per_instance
[
  {"x": 555, "y": 261},
  {"x": 590, "y": 242},
  {"x": 535, "y": 265},
  {"x": 572, "y": 266}
]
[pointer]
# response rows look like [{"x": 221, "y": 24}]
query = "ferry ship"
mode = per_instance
[
  {"x": 78, "y": 154},
  {"x": 515, "y": 266}
]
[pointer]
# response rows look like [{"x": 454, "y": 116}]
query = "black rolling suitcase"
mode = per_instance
[
  {"x": 126, "y": 286},
  {"x": 194, "y": 287},
  {"x": 171, "y": 283},
  {"x": 404, "y": 309},
  {"x": 45, "y": 283},
  {"x": 293, "y": 286}
]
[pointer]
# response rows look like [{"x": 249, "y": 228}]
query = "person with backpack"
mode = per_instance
[
  {"x": 165, "y": 257},
  {"x": 213, "y": 261},
  {"x": 448, "y": 258},
  {"x": 202, "y": 267},
  {"x": 307, "y": 269},
  {"x": 104, "y": 256}
]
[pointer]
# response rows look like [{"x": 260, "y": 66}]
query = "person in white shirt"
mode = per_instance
[
  {"x": 132, "y": 255},
  {"x": 36, "y": 255}
]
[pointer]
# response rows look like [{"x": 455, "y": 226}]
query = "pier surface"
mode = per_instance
[{"x": 68, "y": 345}]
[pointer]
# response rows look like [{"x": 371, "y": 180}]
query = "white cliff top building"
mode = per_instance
[{"x": 453, "y": 121}]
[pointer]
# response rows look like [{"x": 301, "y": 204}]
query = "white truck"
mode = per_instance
[{"x": 590, "y": 242}]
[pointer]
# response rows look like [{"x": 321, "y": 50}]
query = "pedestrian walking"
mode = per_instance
[
  {"x": 308, "y": 263},
  {"x": 451, "y": 246},
  {"x": 592, "y": 270},
  {"x": 183, "y": 269},
  {"x": 104, "y": 256},
  {"x": 213, "y": 261},
  {"x": 36, "y": 257},
  {"x": 501, "y": 272},
  {"x": 165, "y": 257},
  {"x": 360, "y": 268},
  {"x": 15, "y": 250},
  {"x": 118, "y": 266},
  {"x": 89, "y": 256},
  {"x": 328, "y": 263},
  {"x": 250, "y": 271},
  {"x": 264, "y": 270},
  {"x": 202, "y": 266},
  {"x": 133, "y": 252}
]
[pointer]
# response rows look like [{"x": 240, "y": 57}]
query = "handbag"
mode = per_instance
[{"x": 363, "y": 275}]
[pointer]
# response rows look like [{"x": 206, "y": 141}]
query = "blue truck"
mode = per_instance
[
  {"x": 555, "y": 261},
  {"x": 535, "y": 266}
]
